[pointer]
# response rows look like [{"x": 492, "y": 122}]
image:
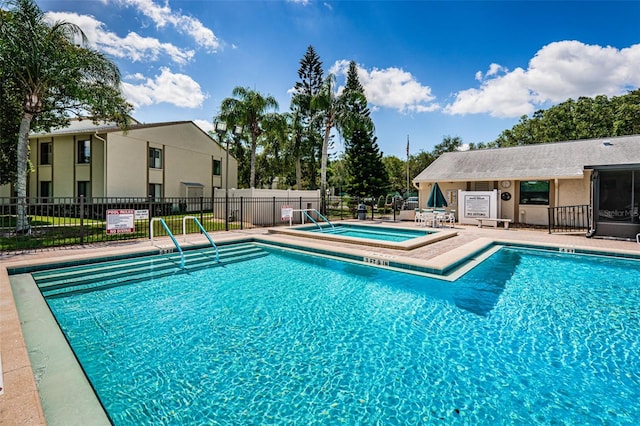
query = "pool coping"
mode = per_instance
[
  {"x": 435, "y": 235},
  {"x": 21, "y": 403}
]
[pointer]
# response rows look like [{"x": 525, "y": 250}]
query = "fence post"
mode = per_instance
[
  {"x": 201, "y": 211},
  {"x": 82, "y": 219},
  {"x": 213, "y": 210},
  {"x": 372, "y": 205},
  {"x": 150, "y": 214},
  {"x": 241, "y": 213},
  {"x": 273, "y": 218}
]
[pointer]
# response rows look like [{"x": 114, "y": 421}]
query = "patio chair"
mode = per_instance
[
  {"x": 428, "y": 218},
  {"x": 449, "y": 218},
  {"x": 440, "y": 216}
]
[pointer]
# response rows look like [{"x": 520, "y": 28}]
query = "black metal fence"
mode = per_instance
[
  {"x": 55, "y": 222},
  {"x": 569, "y": 219}
]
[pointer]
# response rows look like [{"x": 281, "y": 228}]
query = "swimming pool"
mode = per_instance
[
  {"x": 368, "y": 234},
  {"x": 525, "y": 337}
]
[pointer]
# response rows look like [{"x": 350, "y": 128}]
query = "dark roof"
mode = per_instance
[
  {"x": 550, "y": 160},
  {"x": 87, "y": 126}
]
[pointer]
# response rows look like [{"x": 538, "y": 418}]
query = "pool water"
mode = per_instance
[
  {"x": 368, "y": 232},
  {"x": 526, "y": 337}
]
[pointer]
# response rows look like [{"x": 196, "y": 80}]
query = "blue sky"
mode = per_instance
[{"x": 430, "y": 68}]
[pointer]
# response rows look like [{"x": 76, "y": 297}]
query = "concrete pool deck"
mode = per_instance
[{"x": 20, "y": 402}]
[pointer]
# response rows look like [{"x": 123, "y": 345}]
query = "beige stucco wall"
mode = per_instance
[
  {"x": 453, "y": 187},
  {"x": 188, "y": 156},
  {"x": 573, "y": 192},
  {"x": 508, "y": 207},
  {"x": 563, "y": 192},
  {"x": 126, "y": 166},
  {"x": 97, "y": 167},
  {"x": 65, "y": 172},
  {"x": 63, "y": 162},
  {"x": 119, "y": 168}
]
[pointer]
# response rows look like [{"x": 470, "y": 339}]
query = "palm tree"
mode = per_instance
[
  {"x": 336, "y": 111},
  {"x": 327, "y": 105},
  {"x": 55, "y": 77},
  {"x": 248, "y": 108}
]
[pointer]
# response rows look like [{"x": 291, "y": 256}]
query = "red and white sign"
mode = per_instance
[
  {"x": 120, "y": 221},
  {"x": 287, "y": 212}
]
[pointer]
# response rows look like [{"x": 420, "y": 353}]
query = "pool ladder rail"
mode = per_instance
[
  {"x": 202, "y": 230},
  {"x": 304, "y": 212},
  {"x": 184, "y": 232},
  {"x": 166, "y": 228}
]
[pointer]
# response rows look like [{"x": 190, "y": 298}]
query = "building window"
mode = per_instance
[
  {"x": 155, "y": 158},
  {"x": 84, "y": 152},
  {"x": 534, "y": 192},
  {"x": 217, "y": 167},
  {"x": 46, "y": 190},
  {"x": 84, "y": 189},
  {"x": 46, "y": 157},
  {"x": 618, "y": 200},
  {"x": 155, "y": 191}
]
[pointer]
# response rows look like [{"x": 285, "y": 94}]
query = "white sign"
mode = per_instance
[
  {"x": 474, "y": 205},
  {"x": 142, "y": 214},
  {"x": 287, "y": 212},
  {"x": 477, "y": 205},
  {"x": 120, "y": 221}
]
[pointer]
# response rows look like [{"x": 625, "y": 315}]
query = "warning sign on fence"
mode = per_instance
[
  {"x": 120, "y": 221},
  {"x": 287, "y": 212}
]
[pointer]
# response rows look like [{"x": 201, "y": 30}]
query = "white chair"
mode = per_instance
[
  {"x": 428, "y": 217},
  {"x": 441, "y": 217},
  {"x": 418, "y": 218},
  {"x": 450, "y": 218}
]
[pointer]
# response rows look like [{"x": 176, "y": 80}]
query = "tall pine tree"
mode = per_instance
[
  {"x": 366, "y": 171},
  {"x": 307, "y": 139},
  {"x": 354, "y": 102}
]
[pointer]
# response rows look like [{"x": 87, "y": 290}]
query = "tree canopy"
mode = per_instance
[
  {"x": 584, "y": 118},
  {"x": 51, "y": 75},
  {"x": 248, "y": 108}
]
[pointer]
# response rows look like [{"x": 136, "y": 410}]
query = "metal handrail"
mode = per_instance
[
  {"x": 324, "y": 218},
  {"x": 166, "y": 228},
  {"x": 304, "y": 211},
  {"x": 195, "y": 219},
  {"x": 569, "y": 218},
  {"x": 311, "y": 219}
]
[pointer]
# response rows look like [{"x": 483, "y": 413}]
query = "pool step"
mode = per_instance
[{"x": 113, "y": 273}]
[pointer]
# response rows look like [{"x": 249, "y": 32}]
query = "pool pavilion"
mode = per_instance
[{"x": 602, "y": 174}]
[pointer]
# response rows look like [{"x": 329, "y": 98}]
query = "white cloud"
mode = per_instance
[
  {"x": 205, "y": 125},
  {"x": 558, "y": 71},
  {"x": 391, "y": 88},
  {"x": 164, "y": 15},
  {"x": 136, "y": 76},
  {"x": 495, "y": 69},
  {"x": 177, "y": 89},
  {"x": 302, "y": 2},
  {"x": 132, "y": 46}
]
